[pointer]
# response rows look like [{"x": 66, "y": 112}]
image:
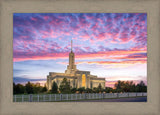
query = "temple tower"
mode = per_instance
[{"x": 71, "y": 68}]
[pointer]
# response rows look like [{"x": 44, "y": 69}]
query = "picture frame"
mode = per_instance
[{"x": 151, "y": 7}]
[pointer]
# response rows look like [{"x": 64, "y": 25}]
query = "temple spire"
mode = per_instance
[
  {"x": 71, "y": 68},
  {"x": 71, "y": 45}
]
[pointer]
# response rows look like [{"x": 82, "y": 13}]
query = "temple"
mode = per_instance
[{"x": 76, "y": 77}]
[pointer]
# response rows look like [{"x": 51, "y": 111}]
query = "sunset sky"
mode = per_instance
[{"x": 110, "y": 45}]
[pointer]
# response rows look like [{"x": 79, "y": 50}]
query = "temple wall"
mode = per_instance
[
  {"x": 80, "y": 76},
  {"x": 50, "y": 81},
  {"x": 95, "y": 83}
]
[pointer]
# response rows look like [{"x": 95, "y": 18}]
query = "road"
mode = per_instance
[{"x": 135, "y": 99}]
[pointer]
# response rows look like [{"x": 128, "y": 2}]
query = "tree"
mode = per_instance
[
  {"x": 73, "y": 90},
  {"x": 95, "y": 90},
  {"x": 65, "y": 86},
  {"x": 29, "y": 88},
  {"x": 118, "y": 86},
  {"x": 108, "y": 90},
  {"x": 132, "y": 87},
  {"x": 14, "y": 88},
  {"x": 18, "y": 89},
  {"x": 44, "y": 89},
  {"x": 37, "y": 88},
  {"x": 81, "y": 89},
  {"x": 54, "y": 88},
  {"x": 99, "y": 88},
  {"x": 141, "y": 87},
  {"x": 126, "y": 87},
  {"x": 129, "y": 86},
  {"x": 88, "y": 90}
]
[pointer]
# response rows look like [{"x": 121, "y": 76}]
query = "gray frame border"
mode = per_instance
[{"x": 151, "y": 7}]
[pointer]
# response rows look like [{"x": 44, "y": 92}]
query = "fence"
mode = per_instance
[{"x": 69, "y": 97}]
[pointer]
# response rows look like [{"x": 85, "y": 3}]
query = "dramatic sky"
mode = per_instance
[{"x": 110, "y": 45}]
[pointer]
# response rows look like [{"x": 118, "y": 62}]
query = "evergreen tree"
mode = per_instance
[
  {"x": 18, "y": 89},
  {"x": 65, "y": 86},
  {"x": 54, "y": 88},
  {"x": 99, "y": 88},
  {"x": 44, "y": 89},
  {"x": 29, "y": 88}
]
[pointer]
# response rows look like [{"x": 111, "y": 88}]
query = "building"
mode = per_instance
[{"x": 76, "y": 77}]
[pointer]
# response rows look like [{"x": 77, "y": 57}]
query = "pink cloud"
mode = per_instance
[
  {"x": 45, "y": 57},
  {"x": 46, "y": 17},
  {"x": 34, "y": 19}
]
